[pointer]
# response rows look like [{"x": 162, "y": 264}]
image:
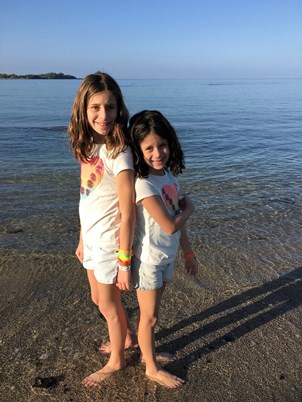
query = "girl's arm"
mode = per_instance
[
  {"x": 191, "y": 263},
  {"x": 170, "y": 224},
  {"x": 125, "y": 190}
]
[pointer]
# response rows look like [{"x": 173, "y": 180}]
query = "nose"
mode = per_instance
[
  {"x": 156, "y": 152},
  {"x": 103, "y": 113}
]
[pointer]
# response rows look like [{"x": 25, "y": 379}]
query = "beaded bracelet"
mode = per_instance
[{"x": 188, "y": 256}]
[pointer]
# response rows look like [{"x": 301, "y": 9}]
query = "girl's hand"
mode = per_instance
[
  {"x": 186, "y": 203},
  {"x": 191, "y": 265},
  {"x": 79, "y": 251},
  {"x": 123, "y": 280}
]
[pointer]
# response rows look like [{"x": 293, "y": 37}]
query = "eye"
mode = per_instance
[{"x": 111, "y": 106}]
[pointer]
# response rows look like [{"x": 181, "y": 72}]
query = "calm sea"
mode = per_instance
[{"x": 243, "y": 146}]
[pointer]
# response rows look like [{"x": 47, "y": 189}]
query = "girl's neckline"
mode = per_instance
[{"x": 159, "y": 175}]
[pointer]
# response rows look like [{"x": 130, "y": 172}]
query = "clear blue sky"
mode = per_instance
[{"x": 153, "y": 38}]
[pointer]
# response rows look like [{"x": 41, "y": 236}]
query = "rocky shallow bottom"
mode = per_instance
[{"x": 233, "y": 342}]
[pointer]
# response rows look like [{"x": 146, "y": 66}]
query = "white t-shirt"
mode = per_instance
[
  {"x": 152, "y": 244},
  {"x": 99, "y": 205}
]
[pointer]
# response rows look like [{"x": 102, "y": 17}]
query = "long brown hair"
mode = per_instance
[{"x": 79, "y": 129}]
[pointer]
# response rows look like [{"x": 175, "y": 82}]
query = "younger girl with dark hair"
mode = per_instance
[{"x": 160, "y": 227}]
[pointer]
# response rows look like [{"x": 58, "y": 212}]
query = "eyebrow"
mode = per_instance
[{"x": 106, "y": 104}]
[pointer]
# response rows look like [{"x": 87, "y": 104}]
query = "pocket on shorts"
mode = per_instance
[
  {"x": 103, "y": 255},
  {"x": 105, "y": 265}
]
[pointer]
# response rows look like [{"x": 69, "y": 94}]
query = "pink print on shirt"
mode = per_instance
[
  {"x": 170, "y": 197},
  {"x": 91, "y": 175}
]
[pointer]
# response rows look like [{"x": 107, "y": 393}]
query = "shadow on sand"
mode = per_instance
[{"x": 256, "y": 307}]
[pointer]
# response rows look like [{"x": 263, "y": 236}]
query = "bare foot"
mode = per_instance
[
  {"x": 166, "y": 379},
  {"x": 97, "y": 377},
  {"x": 105, "y": 348},
  {"x": 163, "y": 357}
]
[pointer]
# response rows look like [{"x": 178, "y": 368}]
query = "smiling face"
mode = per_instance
[
  {"x": 156, "y": 153},
  {"x": 101, "y": 114}
]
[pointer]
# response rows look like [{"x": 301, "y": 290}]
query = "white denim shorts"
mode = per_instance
[
  {"x": 102, "y": 262},
  {"x": 150, "y": 277}
]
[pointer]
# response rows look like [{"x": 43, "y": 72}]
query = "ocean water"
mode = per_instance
[{"x": 243, "y": 147}]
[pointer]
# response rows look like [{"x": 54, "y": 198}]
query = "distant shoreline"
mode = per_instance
[{"x": 46, "y": 76}]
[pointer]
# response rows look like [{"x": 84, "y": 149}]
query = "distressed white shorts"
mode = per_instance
[
  {"x": 150, "y": 277},
  {"x": 102, "y": 262}
]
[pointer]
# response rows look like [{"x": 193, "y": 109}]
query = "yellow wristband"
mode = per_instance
[{"x": 127, "y": 252}]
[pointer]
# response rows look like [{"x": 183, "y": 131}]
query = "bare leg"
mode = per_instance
[
  {"x": 149, "y": 301},
  {"x": 160, "y": 356},
  {"x": 108, "y": 300},
  {"x": 130, "y": 341}
]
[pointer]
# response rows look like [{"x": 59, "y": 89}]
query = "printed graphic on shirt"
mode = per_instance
[
  {"x": 91, "y": 175},
  {"x": 171, "y": 198}
]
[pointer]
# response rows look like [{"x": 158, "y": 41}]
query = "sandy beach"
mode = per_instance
[{"x": 233, "y": 343}]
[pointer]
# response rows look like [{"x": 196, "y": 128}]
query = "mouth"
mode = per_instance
[{"x": 103, "y": 125}]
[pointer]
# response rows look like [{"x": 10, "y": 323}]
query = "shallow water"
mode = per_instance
[{"x": 243, "y": 146}]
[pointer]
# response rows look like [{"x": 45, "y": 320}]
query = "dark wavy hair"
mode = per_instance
[
  {"x": 152, "y": 121},
  {"x": 79, "y": 129}
]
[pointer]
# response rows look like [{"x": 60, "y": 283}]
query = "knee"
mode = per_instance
[
  {"x": 109, "y": 312},
  {"x": 150, "y": 321},
  {"x": 153, "y": 322},
  {"x": 95, "y": 299}
]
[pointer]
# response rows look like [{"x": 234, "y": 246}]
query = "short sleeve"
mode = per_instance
[
  {"x": 144, "y": 188},
  {"x": 123, "y": 161}
]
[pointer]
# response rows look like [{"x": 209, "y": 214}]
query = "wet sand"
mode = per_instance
[{"x": 234, "y": 341}]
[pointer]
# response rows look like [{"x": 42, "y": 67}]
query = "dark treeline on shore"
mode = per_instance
[{"x": 47, "y": 76}]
